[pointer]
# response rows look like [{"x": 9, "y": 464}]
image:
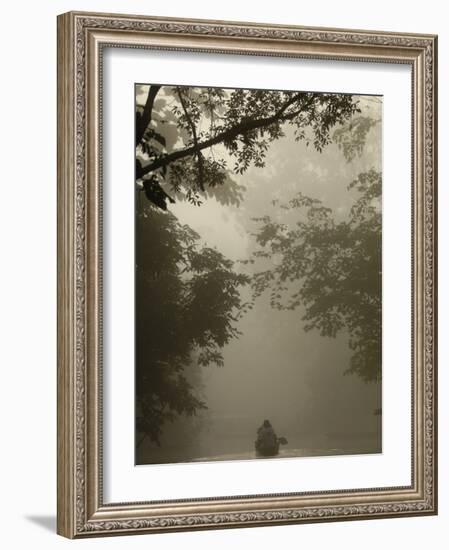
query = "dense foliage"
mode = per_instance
[
  {"x": 189, "y": 141},
  {"x": 187, "y": 303},
  {"x": 330, "y": 268}
]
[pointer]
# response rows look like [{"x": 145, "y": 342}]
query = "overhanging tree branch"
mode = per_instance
[{"x": 226, "y": 135}]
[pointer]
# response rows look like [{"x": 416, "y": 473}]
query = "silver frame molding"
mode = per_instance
[{"x": 81, "y": 510}]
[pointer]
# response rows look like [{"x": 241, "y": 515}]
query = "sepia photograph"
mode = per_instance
[{"x": 258, "y": 274}]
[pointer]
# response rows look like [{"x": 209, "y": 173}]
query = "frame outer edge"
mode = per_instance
[
  {"x": 76, "y": 425},
  {"x": 433, "y": 192},
  {"x": 435, "y": 268},
  {"x": 66, "y": 341}
]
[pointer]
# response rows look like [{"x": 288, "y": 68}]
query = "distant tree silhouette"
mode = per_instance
[{"x": 330, "y": 268}]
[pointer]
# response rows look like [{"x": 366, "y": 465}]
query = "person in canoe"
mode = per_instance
[{"x": 267, "y": 442}]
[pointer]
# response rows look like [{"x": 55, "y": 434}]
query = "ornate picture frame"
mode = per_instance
[{"x": 82, "y": 510}]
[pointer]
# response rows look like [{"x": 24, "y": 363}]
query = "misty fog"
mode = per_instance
[{"x": 275, "y": 369}]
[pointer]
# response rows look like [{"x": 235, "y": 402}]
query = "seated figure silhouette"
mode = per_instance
[{"x": 267, "y": 442}]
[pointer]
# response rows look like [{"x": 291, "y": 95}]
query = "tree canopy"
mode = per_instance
[
  {"x": 178, "y": 129},
  {"x": 330, "y": 268},
  {"x": 187, "y": 305}
]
